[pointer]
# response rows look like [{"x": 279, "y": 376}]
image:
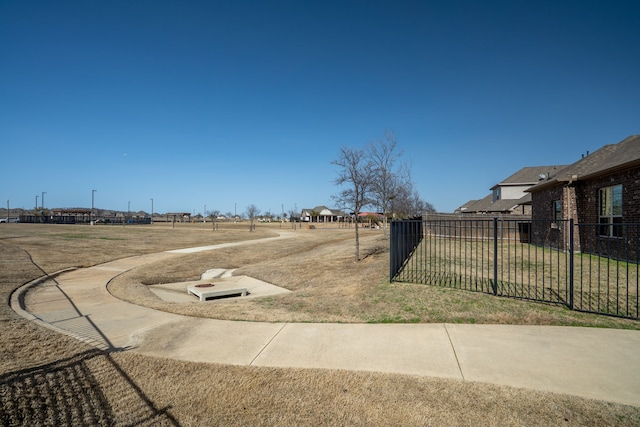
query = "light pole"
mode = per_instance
[
  {"x": 152, "y": 210},
  {"x": 8, "y": 216},
  {"x": 204, "y": 214},
  {"x": 42, "y": 205},
  {"x": 91, "y": 215}
]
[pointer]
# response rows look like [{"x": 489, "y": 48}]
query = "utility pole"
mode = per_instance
[
  {"x": 35, "y": 211},
  {"x": 42, "y": 205},
  {"x": 8, "y": 216},
  {"x": 152, "y": 210}
]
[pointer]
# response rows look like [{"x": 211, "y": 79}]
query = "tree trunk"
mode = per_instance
[
  {"x": 385, "y": 226},
  {"x": 357, "y": 242}
]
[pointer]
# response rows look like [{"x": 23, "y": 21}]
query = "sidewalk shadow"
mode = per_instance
[{"x": 72, "y": 320}]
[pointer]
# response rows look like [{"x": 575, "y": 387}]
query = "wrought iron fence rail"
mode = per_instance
[{"x": 549, "y": 261}]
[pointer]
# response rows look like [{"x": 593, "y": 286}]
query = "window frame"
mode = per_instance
[
  {"x": 556, "y": 211},
  {"x": 610, "y": 211},
  {"x": 497, "y": 194}
]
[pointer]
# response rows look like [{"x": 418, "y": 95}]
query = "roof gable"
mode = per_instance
[{"x": 530, "y": 175}]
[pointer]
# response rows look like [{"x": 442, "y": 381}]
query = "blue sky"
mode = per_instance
[{"x": 232, "y": 103}]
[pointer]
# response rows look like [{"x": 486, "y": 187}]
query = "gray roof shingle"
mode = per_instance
[
  {"x": 531, "y": 175},
  {"x": 609, "y": 158},
  {"x": 488, "y": 205}
]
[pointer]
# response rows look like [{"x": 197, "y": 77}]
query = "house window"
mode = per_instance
[
  {"x": 557, "y": 211},
  {"x": 497, "y": 194},
  {"x": 610, "y": 211}
]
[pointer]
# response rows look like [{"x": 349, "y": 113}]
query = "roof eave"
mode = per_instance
[
  {"x": 575, "y": 178},
  {"x": 544, "y": 185},
  {"x": 618, "y": 168}
]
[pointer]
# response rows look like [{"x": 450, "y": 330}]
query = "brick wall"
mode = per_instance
[
  {"x": 587, "y": 193},
  {"x": 580, "y": 202},
  {"x": 542, "y": 202},
  {"x": 587, "y": 196},
  {"x": 543, "y": 230}
]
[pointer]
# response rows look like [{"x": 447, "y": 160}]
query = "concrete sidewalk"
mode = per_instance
[{"x": 594, "y": 363}]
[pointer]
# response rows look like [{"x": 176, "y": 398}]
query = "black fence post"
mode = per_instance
[
  {"x": 571, "y": 263},
  {"x": 495, "y": 256},
  {"x": 393, "y": 250}
]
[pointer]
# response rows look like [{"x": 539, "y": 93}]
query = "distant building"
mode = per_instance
[
  {"x": 322, "y": 214},
  {"x": 177, "y": 217},
  {"x": 510, "y": 195}
]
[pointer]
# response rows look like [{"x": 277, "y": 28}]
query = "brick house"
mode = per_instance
[
  {"x": 601, "y": 193},
  {"x": 509, "y": 196}
]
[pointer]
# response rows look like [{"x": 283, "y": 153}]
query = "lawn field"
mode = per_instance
[
  {"x": 526, "y": 271},
  {"x": 51, "y": 379}
]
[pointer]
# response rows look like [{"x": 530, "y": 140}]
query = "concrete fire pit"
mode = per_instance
[{"x": 209, "y": 290}]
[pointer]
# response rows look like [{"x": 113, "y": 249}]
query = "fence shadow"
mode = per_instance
[
  {"x": 70, "y": 392},
  {"x": 88, "y": 388}
]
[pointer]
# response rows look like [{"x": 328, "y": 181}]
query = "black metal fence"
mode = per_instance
[{"x": 586, "y": 267}]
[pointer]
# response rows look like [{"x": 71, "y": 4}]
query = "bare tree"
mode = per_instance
[
  {"x": 355, "y": 176},
  {"x": 393, "y": 190},
  {"x": 390, "y": 178},
  {"x": 214, "y": 215},
  {"x": 374, "y": 176},
  {"x": 293, "y": 215},
  {"x": 408, "y": 204},
  {"x": 421, "y": 207},
  {"x": 252, "y": 212}
]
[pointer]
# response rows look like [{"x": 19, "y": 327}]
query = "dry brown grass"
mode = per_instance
[
  {"x": 51, "y": 379},
  {"x": 329, "y": 287}
]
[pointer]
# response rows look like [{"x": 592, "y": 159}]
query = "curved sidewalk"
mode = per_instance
[{"x": 594, "y": 363}]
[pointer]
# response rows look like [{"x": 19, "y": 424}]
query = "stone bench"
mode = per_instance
[{"x": 210, "y": 291}]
